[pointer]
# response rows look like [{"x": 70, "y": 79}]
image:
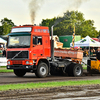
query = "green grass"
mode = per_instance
[
  {"x": 2, "y": 66},
  {"x": 48, "y": 84},
  {"x": 85, "y": 68},
  {"x": 5, "y": 71}
]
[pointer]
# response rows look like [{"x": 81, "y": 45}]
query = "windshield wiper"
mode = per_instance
[{"x": 17, "y": 54}]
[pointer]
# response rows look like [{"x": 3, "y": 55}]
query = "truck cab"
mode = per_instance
[{"x": 28, "y": 47}]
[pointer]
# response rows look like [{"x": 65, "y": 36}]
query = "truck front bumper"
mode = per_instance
[{"x": 20, "y": 67}]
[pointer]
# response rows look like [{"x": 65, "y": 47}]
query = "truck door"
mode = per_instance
[{"x": 37, "y": 46}]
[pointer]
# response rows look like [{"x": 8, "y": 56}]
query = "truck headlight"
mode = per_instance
[
  {"x": 8, "y": 62},
  {"x": 27, "y": 62}
]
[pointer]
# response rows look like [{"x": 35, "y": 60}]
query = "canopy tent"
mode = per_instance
[
  {"x": 2, "y": 41},
  {"x": 86, "y": 42}
]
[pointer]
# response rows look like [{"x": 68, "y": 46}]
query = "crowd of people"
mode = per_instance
[
  {"x": 92, "y": 52},
  {"x": 2, "y": 50}
]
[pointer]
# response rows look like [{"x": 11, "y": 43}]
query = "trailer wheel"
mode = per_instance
[
  {"x": 19, "y": 72},
  {"x": 42, "y": 70}
]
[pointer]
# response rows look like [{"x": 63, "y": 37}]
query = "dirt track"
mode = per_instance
[
  {"x": 57, "y": 93},
  {"x": 7, "y": 78}
]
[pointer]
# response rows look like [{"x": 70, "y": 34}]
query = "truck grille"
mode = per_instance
[
  {"x": 17, "y": 55},
  {"x": 14, "y": 62}
]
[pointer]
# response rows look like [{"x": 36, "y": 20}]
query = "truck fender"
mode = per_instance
[{"x": 43, "y": 60}]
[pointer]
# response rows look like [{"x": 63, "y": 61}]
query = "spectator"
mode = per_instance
[
  {"x": 91, "y": 52},
  {"x": 4, "y": 53},
  {"x": 0, "y": 52}
]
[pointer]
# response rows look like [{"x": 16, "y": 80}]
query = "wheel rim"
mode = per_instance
[
  {"x": 42, "y": 70},
  {"x": 78, "y": 70}
]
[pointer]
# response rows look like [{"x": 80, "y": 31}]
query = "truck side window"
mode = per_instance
[{"x": 39, "y": 40}]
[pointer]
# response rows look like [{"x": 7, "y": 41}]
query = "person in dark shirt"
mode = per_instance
[{"x": 4, "y": 53}]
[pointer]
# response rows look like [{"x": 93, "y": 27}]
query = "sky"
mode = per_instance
[{"x": 18, "y": 10}]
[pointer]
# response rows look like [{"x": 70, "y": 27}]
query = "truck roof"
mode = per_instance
[
  {"x": 30, "y": 29},
  {"x": 33, "y": 26}
]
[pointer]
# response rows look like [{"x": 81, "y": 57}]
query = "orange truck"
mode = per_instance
[{"x": 29, "y": 49}]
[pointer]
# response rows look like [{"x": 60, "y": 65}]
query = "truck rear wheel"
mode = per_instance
[
  {"x": 42, "y": 70},
  {"x": 58, "y": 72},
  {"x": 19, "y": 72},
  {"x": 75, "y": 70}
]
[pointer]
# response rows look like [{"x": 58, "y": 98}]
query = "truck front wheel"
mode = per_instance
[
  {"x": 42, "y": 70},
  {"x": 19, "y": 72}
]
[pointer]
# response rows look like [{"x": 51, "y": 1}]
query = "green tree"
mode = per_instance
[
  {"x": 86, "y": 28},
  {"x": 6, "y": 28},
  {"x": 71, "y": 19},
  {"x": 99, "y": 33},
  {"x": 7, "y": 24},
  {"x": 48, "y": 22},
  {"x": 1, "y": 30}
]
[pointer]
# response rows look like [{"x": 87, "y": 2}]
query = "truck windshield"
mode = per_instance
[{"x": 19, "y": 41}]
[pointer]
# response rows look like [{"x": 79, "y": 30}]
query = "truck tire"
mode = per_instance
[
  {"x": 69, "y": 69},
  {"x": 58, "y": 72},
  {"x": 19, "y": 72},
  {"x": 42, "y": 70},
  {"x": 75, "y": 70}
]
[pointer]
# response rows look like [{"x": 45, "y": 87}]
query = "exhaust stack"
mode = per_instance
[{"x": 52, "y": 44}]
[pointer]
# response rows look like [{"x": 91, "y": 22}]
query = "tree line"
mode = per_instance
[
  {"x": 6, "y": 26},
  {"x": 68, "y": 21},
  {"x": 63, "y": 25}
]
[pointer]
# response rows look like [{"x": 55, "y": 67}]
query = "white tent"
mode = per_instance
[
  {"x": 2, "y": 40},
  {"x": 86, "y": 42}
]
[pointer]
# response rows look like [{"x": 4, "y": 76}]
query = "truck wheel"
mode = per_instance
[
  {"x": 42, "y": 70},
  {"x": 69, "y": 69},
  {"x": 77, "y": 70},
  {"x": 19, "y": 72}
]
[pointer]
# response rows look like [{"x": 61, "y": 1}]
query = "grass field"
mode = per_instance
[
  {"x": 4, "y": 70},
  {"x": 48, "y": 84}
]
